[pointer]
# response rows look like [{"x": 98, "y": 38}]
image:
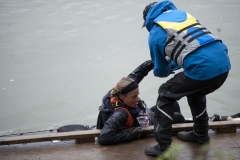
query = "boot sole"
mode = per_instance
[
  {"x": 194, "y": 140},
  {"x": 153, "y": 154}
]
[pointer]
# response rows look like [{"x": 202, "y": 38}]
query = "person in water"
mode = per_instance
[
  {"x": 178, "y": 40},
  {"x": 122, "y": 108}
]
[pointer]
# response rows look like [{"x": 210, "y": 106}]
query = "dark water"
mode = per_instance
[{"x": 58, "y": 58}]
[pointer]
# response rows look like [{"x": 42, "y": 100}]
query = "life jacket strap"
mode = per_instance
[
  {"x": 183, "y": 43},
  {"x": 130, "y": 119},
  {"x": 178, "y": 32}
]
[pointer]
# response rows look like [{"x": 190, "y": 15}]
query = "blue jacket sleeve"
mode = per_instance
[{"x": 157, "y": 40}]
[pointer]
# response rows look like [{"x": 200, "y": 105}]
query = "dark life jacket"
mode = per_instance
[{"x": 108, "y": 107}]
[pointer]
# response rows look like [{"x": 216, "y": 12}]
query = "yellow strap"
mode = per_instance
[{"x": 178, "y": 25}]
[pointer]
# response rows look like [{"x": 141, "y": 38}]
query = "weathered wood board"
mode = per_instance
[{"x": 89, "y": 135}]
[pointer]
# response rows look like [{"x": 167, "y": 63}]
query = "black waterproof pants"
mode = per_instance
[{"x": 174, "y": 89}]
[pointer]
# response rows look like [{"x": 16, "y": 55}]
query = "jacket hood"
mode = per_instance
[{"x": 156, "y": 10}]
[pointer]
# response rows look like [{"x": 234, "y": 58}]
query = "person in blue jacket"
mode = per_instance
[{"x": 178, "y": 40}]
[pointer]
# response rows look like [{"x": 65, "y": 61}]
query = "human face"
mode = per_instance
[{"x": 131, "y": 98}]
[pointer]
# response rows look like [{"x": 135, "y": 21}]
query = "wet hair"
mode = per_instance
[{"x": 121, "y": 86}]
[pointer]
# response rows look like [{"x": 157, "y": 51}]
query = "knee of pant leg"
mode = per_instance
[
  {"x": 165, "y": 111},
  {"x": 163, "y": 101}
]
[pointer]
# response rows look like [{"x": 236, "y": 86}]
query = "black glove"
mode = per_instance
[
  {"x": 141, "y": 71},
  {"x": 137, "y": 133}
]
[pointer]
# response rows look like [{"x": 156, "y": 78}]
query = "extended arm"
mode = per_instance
[{"x": 141, "y": 71}]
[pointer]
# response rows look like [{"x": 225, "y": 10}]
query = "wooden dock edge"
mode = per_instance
[{"x": 89, "y": 135}]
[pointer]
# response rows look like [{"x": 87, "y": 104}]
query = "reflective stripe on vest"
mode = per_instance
[{"x": 183, "y": 37}]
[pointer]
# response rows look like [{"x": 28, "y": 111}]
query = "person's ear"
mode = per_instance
[{"x": 121, "y": 96}]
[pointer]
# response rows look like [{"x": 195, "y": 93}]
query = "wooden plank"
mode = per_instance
[
  {"x": 89, "y": 135},
  {"x": 219, "y": 125},
  {"x": 49, "y": 137}
]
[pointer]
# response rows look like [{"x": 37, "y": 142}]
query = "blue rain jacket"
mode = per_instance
[{"x": 204, "y": 63}]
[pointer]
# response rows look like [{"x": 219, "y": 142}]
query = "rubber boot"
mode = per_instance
[
  {"x": 156, "y": 150},
  {"x": 192, "y": 136}
]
